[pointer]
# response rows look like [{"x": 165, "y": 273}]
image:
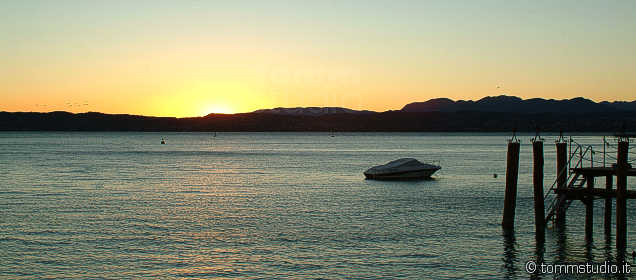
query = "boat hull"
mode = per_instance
[{"x": 408, "y": 175}]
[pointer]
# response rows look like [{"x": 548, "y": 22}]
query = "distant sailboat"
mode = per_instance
[{"x": 214, "y": 134}]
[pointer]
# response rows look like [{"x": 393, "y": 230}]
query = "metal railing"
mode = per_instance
[{"x": 555, "y": 202}]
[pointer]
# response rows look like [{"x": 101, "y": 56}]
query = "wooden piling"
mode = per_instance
[
  {"x": 589, "y": 210},
  {"x": 608, "y": 205},
  {"x": 512, "y": 172},
  {"x": 621, "y": 191},
  {"x": 537, "y": 181},
  {"x": 562, "y": 175}
]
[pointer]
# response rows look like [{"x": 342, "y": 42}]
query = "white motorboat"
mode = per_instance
[{"x": 402, "y": 169}]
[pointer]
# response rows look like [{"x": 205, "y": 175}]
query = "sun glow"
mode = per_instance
[
  {"x": 186, "y": 60},
  {"x": 218, "y": 109}
]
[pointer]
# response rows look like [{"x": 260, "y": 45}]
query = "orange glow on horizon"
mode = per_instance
[
  {"x": 184, "y": 60},
  {"x": 218, "y": 109}
]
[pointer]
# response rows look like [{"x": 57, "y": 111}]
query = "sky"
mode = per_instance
[{"x": 191, "y": 58}]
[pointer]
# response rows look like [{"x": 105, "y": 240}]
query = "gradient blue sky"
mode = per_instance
[{"x": 189, "y": 58}]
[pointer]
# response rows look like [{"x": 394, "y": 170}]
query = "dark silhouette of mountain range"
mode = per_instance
[
  {"x": 505, "y": 103},
  {"x": 490, "y": 114},
  {"x": 311, "y": 111}
]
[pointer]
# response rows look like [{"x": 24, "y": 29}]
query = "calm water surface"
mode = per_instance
[{"x": 272, "y": 205}]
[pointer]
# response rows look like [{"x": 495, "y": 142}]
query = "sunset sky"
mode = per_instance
[{"x": 191, "y": 58}]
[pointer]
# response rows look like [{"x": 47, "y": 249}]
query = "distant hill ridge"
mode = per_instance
[
  {"x": 504, "y": 103},
  {"x": 464, "y": 121},
  {"x": 500, "y": 104},
  {"x": 311, "y": 111},
  {"x": 490, "y": 114}
]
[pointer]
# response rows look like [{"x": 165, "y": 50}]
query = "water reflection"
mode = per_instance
[
  {"x": 262, "y": 206},
  {"x": 560, "y": 232},
  {"x": 510, "y": 254},
  {"x": 589, "y": 246},
  {"x": 607, "y": 248},
  {"x": 539, "y": 251}
]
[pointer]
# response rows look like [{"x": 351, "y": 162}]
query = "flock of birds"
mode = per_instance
[{"x": 68, "y": 105}]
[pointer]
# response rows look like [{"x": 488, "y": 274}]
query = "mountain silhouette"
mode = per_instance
[
  {"x": 504, "y": 103},
  {"x": 310, "y": 111},
  {"x": 489, "y": 114}
]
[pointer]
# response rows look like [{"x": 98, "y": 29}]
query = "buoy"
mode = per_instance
[
  {"x": 494, "y": 175},
  {"x": 163, "y": 141}
]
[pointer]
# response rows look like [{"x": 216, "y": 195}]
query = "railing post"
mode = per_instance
[
  {"x": 608, "y": 205},
  {"x": 570, "y": 152},
  {"x": 537, "y": 180},
  {"x": 604, "y": 143},
  {"x": 589, "y": 210},
  {"x": 562, "y": 175},
  {"x": 621, "y": 192}
]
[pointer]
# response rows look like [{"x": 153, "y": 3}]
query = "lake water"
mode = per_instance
[{"x": 273, "y": 205}]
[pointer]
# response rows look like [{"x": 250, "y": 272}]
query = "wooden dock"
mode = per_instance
[
  {"x": 601, "y": 171},
  {"x": 580, "y": 192},
  {"x": 573, "y": 182}
]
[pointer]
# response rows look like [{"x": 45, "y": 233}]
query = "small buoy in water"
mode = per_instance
[
  {"x": 163, "y": 141},
  {"x": 633, "y": 254},
  {"x": 494, "y": 175}
]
